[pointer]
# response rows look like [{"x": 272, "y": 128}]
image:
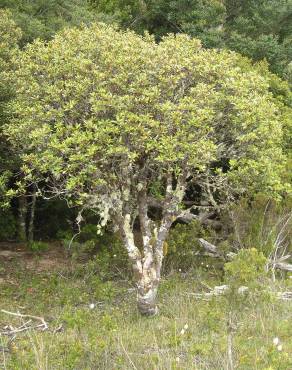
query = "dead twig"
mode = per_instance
[
  {"x": 212, "y": 251},
  {"x": 9, "y": 330},
  {"x": 223, "y": 289}
]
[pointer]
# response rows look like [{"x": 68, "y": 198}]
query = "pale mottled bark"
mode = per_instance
[
  {"x": 144, "y": 274},
  {"x": 147, "y": 263},
  {"x": 153, "y": 241},
  {"x": 146, "y": 298},
  {"x": 133, "y": 252},
  {"x": 171, "y": 212}
]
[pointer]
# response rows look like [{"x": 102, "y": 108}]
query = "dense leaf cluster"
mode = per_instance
[{"x": 96, "y": 108}]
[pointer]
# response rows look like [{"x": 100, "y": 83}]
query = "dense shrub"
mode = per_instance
[
  {"x": 103, "y": 255},
  {"x": 182, "y": 249},
  {"x": 248, "y": 268},
  {"x": 263, "y": 224},
  {"x": 8, "y": 225}
]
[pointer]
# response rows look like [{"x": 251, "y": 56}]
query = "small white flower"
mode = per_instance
[
  {"x": 177, "y": 359},
  {"x": 207, "y": 265},
  {"x": 186, "y": 326},
  {"x": 202, "y": 263},
  {"x": 279, "y": 347},
  {"x": 276, "y": 341},
  {"x": 115, "y": 255},
  {"x": 91, "y": 306},
  {"x": 182, "y": 331},
  {"x": 242, "y": 289},
  {"x": 139, "y": 186},
  {"x": 179, "y": 270}
]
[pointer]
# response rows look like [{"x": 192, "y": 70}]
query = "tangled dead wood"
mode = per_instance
[
  {"x": 28, "y": 325},
  {"x": 213, "y": 251},
  {"x": 223, "y": 289}
]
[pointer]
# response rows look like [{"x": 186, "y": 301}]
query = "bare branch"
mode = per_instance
[
  {"x": 283, "y": 266},
  {"x": 210, "y": 248},
  {"x": 43, "y": 325},
  {"x": 223, "y": 289}
]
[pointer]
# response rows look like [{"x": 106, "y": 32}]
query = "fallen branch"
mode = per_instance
[
  {"x": 9, "y": 330},
  {"x": 285, "y": 296},
  {"x": 210, "y": 248},
  {"x": 222, "y": 289},
  {"x": 217, "y": 291},
  {"x": 283, "y": 266},
  {"x": 212, "y": 251}
]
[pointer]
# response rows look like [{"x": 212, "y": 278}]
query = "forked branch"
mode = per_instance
[{"x": 11, "y": 330}]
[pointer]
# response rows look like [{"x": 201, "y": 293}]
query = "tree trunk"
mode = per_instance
[
  {"x": 32, "y": 213},
  {"x": 146, "y": 293},
  {"x": 146, "y": 263},
  {"x": 22, "y": 212}
]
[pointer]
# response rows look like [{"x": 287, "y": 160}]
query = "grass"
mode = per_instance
[{"x": 113, "y": 336}]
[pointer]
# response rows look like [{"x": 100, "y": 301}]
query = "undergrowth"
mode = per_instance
[{"x": 93, "y": 324}]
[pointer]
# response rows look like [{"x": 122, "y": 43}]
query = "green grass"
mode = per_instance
[{"x": 113, "y": 335}]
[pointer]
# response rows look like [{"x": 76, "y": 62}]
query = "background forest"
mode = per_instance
[{"x": 55, "y": 262}]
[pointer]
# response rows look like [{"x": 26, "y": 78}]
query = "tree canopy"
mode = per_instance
[
  {"x": 115, "y": 122},
  {"x": 43, "y": 18},
  {"x": 10, "y": 35},
  {"x": 257, "y": 29}
]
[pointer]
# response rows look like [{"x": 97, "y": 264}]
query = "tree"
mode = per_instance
[
  {"x": 199, "y": 18},
  {"x": 21, "y": 22},
  {"x": 114, "y": 122},
  {"x": 43, "y": 18},
  {"x": 259, "y": 29},
  {"x": 10, "y": 35}
]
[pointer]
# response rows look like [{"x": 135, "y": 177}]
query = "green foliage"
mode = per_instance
[
  {"x": 263, "y": 224},
  {"x": 257, "y": 29},
  {"x": 105, "y": 102},
  {"x": 43, "y": 18},
  {"x": 248, "y": 268},
  {"x": 182, "y": 247},
  {"x": 8, "y": 225},
  {"x": 38, "y": 246},
  {"x": 261, "y": 30},
  {"x": 102, "y": 255},
  {"x": 198, "y": 18},
  {"x": 9, "y": 37}
]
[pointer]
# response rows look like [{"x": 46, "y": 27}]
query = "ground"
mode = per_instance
[{"x": 93, "y": 322}]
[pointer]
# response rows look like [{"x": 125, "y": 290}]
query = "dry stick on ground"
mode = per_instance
[
  {"x": 128, "y": 357},
  {"x": 222, "y": 289},
  {"x": 231, "y": 328},
  {"x": 23, "y": 327}
]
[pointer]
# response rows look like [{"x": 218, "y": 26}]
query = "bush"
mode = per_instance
[
  {"x": 8, "y": 225},
  {"x": 38, "y": 246},
  {"x": 182, "y": 250},
  {"x": 248, "y": 268},
  {"x": 104, "y": 255},
  {"x": 258, "y": 223}
]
